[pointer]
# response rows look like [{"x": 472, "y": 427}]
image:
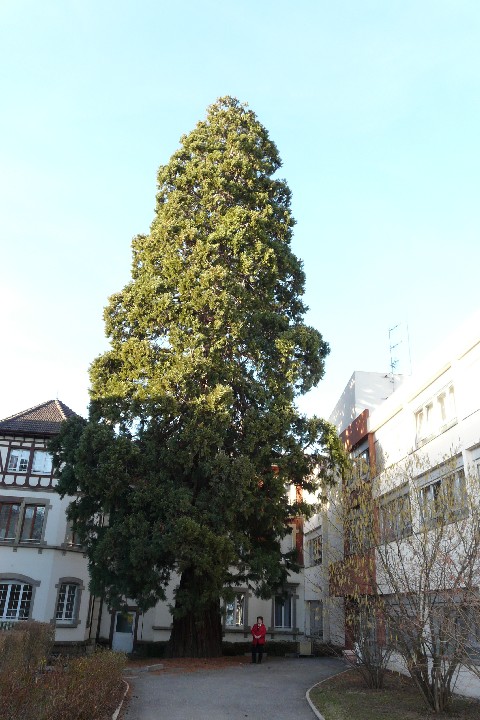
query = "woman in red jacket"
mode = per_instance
[{"x": 258, "y": 639}]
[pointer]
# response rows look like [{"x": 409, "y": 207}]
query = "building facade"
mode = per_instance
[
  {"x": 417, "y": 454},
  {"x": 43, "y": 571}
]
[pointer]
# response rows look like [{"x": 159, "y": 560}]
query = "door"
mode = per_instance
[
  {"x": 316, "y": 619},
  {"x": 123, "y": 630}
]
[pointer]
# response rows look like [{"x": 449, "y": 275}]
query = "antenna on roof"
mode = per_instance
[
  {"x": 396, "y": 337},
  {"x": 394, "y": 359}
]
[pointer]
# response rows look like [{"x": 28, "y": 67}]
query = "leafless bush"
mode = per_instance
[
  {"x": 84, "y": 688},
  {"x": 87, "y": 688},
  {"x": 26, "y": 647},
  {"x": 24, "y": 651}
]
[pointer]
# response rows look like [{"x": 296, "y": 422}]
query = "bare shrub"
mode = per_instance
[
  {"x": 25, "y": 647},
  {"x": 372, "y": 653},
  {"x": 24, "y": 650},
  {"x": 85, "y": 688},
  {"x": 411, "y": 573}
]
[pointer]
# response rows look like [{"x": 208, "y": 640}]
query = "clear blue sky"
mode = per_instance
[{"x": 374, "y": 106}]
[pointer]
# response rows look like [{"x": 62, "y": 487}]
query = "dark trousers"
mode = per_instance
[{"x": 257, "y": 651}]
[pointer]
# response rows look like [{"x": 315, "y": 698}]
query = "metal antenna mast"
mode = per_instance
[{"x": 393, "y": 360}]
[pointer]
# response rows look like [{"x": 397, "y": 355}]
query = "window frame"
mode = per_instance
[
  {"x": 28, "y": 459},
  {"x": 22, "y": 451},
  {"x": 24, "y": 504},
  {"x": 289, "y": 591},
  {"x": 435, "y": 415},
  {"x": 74, "y": 621},
  {"x": 48, "y": 455},
  {"x": 11, "y": 579},
  {"x": 28, "y": 525},
  {"x": 282, "y": 601},
  {"x": 315, "y": 549},
  {"x": 396, "y": 530},
  {"x": 244, "y": 595},
  {"x": 70, "y": 541},
  {"x": 360, "y": 530},
  {"x": 438, "y": 492},
  {"x": 8, "y": 520}
]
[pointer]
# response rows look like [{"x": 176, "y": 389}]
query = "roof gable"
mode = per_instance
[{"x": 43, "y": 419}]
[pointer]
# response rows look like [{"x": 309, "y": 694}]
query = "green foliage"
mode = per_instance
[{"x": 193, "y": 434}]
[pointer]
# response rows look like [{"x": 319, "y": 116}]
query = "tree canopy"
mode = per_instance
[{"x": 193, "y": 434}]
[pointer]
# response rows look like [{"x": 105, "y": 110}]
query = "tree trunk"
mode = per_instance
[{"x": 197, "y": 630}]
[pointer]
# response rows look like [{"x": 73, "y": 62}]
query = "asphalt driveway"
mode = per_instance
[{"x": 274, "y": 690}]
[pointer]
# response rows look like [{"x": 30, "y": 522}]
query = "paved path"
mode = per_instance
[{"x": 274, "y": 690}]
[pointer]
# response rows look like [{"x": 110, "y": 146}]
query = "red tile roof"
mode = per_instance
[{"x": 43, "y": 419}]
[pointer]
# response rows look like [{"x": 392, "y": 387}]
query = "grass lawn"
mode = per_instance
[{"x": 345, "y": 697}]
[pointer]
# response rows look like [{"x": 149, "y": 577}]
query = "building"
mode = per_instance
[
  {"x": 418, "y": 447},
  {"x": 43, "y": 571},
  {"x": 323, "y": 536}
]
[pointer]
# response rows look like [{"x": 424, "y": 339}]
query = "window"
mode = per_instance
[
  {"x": 283, "y": 611},
  {"x": 395, "y": 517},
  {"x": 424, "y": 421},
  {"x": 42, "y": 462},
  {"x": 32, "y": 525},
  {"x": 446, "y": 498},
  {"x": 67, "y": 603},
  {"x": 28, "y": 517},
  {"x": 431, "y": 500},
  {"x": 18, "y": 460},
  {"x": 15, "y": 600},
  {"x": 235, "y": 611},
  {"x": 455, "y": 489},
  {"x": 442, "y": 406},
  {"x": 67, "y": 606},
  {"x": 436, "y": 415},
  {"x": 362, "y": 464},
  {"x": 472, "y": 622},
  {"x": 359, "y": 529},
  {"x": 315, "y": 550},
  {"x": 9, "y": 515},
  {"x": 360, "y": 467},
  {"x": 71, "y": 538}
]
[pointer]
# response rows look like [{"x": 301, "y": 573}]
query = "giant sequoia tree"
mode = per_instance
[{"x": 193, "y": 435}]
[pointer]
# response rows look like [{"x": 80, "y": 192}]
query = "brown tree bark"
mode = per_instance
[{"x": 196, "y": 632}]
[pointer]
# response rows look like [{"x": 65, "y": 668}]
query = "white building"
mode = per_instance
[
  {"x": 323, "y": 537},
  {"x": 431, "y": 420},
  {"x": 43, "y": 572}
]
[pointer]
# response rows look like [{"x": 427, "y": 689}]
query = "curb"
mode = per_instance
[
  {"x": 117, "y": 711},
  {"x": 316, "y": 712},
  {"x": 143, "y": 668}
]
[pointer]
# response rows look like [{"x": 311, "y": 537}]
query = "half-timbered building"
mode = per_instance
[{"x": 43, "y": 571}]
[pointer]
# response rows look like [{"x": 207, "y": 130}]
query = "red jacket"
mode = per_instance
[{"x": 260, "y": 631}]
